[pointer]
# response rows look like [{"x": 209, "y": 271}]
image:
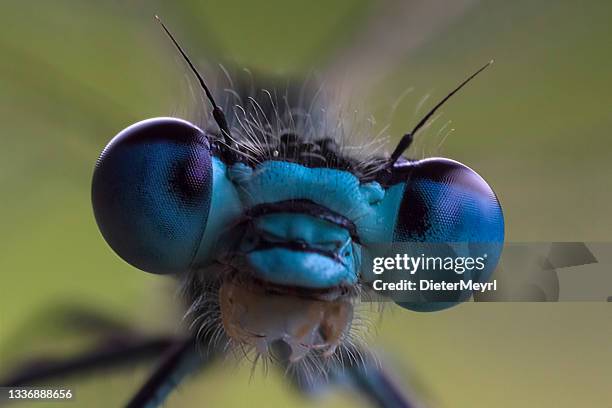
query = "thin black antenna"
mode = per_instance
[
  {"x": 408, "y": 137},
  {"x": 218, "y": 114}
]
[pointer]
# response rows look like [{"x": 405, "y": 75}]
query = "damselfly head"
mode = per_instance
[{"x": 266, "y": 218}]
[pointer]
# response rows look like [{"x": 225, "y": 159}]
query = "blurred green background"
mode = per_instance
[{"x": 537, "y": 126}]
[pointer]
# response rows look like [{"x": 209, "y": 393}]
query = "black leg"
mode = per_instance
[
  {"x": 179, "y": 361},
  {"x": 378, "y": 387},
  {"x": 115, "y": 352}
]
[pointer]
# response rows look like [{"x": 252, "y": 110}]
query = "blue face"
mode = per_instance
[{"x": 167, "y": 202}]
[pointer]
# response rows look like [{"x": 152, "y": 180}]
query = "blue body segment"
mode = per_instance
[
  {"x": 338, "y": 190},
  {"x": 288, "y": 267},
  {"x": 225, "y": 209},
  {"x": 294, "y": 267},
  {"x": 275, "y": 181},
  {"x": 238, "y": 187}
]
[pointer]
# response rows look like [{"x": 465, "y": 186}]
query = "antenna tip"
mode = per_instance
[
  {"x": 157, "y": 17},
  {"x": 491, "y": 62}
]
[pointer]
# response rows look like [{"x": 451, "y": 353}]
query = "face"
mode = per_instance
[
  {"x": 301, "y": 226},
  {"x": 274, "y": 246}
]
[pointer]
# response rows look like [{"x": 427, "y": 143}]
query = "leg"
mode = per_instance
[
  {"x": 117, "y": 353},
  {"x": 120, "y": 346},
  {"x": 180, "y": 360},
  {"x": 377, "y": 386}
]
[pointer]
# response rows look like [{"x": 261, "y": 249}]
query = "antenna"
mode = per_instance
[
  {"x": 218, "y": 114},
  {"x": 406, "y": 140}
]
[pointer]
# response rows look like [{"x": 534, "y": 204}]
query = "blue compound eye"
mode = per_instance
[
  {"x": 455, "y": 214},
  {"x": 446, "y": 201},
  {"x": 151, "y": 193}
]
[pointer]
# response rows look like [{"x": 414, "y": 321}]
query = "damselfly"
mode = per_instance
[{"x": 264, "y": 216}]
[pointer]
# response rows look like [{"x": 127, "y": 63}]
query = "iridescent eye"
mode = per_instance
[
  {"x": 151, "y": 193},
  {"x": 451, "y": 210},
  {"x": 445, "y": 201}
]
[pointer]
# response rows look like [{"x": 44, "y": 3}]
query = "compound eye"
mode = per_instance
[
  {"x": 454, "y": 213},
  {"x": 151, "y": 193},
  {"x": 446, "y": 201}
]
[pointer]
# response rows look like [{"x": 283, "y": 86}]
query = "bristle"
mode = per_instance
[{"x": 261, "y": 114}]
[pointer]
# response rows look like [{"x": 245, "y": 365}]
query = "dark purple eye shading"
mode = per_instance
[{"x": 151, "y": 193}]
